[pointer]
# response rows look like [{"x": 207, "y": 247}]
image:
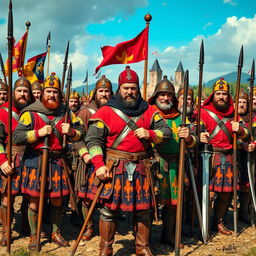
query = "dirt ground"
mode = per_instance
[{"x": 218, "y": 245}]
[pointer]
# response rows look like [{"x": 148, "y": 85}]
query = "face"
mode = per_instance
[
  {"x": 21, "y": 97},
  {"x": 102, "y": 96},
  {"x": 242, "y": 106},
  {"x": 221, "y": 100},
  {"x": 3, "y": 97},
  {"x": 37, "y": 94},
  {"x": 254, "y": 103},
  {"x": 190, "y": 103},
  {"x": 51, "y": 98},
  {"x": 74, "y": 104},
  {"x": 164, "y": 101}
]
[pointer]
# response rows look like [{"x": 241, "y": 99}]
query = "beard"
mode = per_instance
[
  {"x": 128, "y": 103},
  {"x": 221, "y": 107},
  {"x": 189, "y": 110},
  {"x": 164, "y": 106},
  {"x": 75, "y": 108},
  {"x": 50, "y": 105},
  {"x": 101, "y": 101},
  {"x": 242, "y": 111},
  {"x": 20, "y": 105}
]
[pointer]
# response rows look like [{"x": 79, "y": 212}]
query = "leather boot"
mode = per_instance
[
  {"x": 3, "y": 241},
  {"x": 89, "y": 228},
  {"x": 243, "y": 213},
  {"x": 58, "y": 239},
  {"x": 142, "y": 231},
  {"x": 107, "y": 234}
]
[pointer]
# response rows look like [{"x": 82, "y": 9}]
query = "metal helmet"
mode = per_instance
[
  {"x": 52, "y": 81},
  {"x": 163, "y": 86},
  {"x": 74, "y": 95},
  {"x": 221, "y": 85},
  {"x": 181, "y": 92},
  {"x": 103, "y": 82},
  {"x": 36, "y": 86},
  {"x": 22, "y": 82},
  {"x": 3, "y": 86}
]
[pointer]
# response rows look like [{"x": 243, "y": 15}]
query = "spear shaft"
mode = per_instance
[
  {"x": 239, "y": 71},
  {"x": 65, "y": 65},
  {"x": 2, "y": 68},
  {"x": 9, "y": 152}
]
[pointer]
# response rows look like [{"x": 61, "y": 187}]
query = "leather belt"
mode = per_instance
[{"x": 122, "y": 155}]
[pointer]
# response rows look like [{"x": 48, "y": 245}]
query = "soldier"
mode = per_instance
[
  {"x": 217, "y": 115},
  {"x": 244, "y": 193},
  {"x": 74, "y": 102},
  {"x": 3, "y": 92},
  {"x": 46, "y": 118},
  {"x": 36, "y": 90},
  {"x": 22, "y": 97},
  {"x": 166, "y": 103},
  {"x": 124, "y": 129},
  {"x": 84, "y": 176}
]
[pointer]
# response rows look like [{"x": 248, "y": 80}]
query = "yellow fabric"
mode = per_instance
[
  {"x": 25, "y": 118},
  {"x": 159, "y": 136},
  {"x": 95, "y": 151},
  {"x": 31, "y": 136},
  {"x": 157, "y": 117},
  {"x": 2, "y": 149},
  {"x": 99, "y": 124}
]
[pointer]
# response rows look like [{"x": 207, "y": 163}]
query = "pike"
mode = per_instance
[
  {"x": 48, "y": 48},
  {"x": 181, "y": 171},
  {"x": 44, "y": 167},
  {"x": 239, "y": 71},
  {"x": 250, "y": 158},
  {"x": 9, "y": 153},
  {"x": 65, "y": 65},
  {"x": 2, "y": 68},
  {"x": 109, "y": 163}
]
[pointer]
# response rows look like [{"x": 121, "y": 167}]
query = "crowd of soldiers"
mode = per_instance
[{"x": 116, "y": 138}]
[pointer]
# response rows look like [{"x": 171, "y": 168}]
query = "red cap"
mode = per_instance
[{"x": 128, "y": 76}]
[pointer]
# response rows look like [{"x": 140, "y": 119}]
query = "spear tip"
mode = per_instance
[
  {"x": 252, "y": 71},
  {"x": 201, "y": 57},
  {"x": 10, "y": 5},
  {"x": 241, "y": 57}
]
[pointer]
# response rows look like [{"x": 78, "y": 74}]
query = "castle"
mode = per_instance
[{"x": 156, "y": 75}]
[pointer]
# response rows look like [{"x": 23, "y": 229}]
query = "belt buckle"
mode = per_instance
[{"x": 130, "y": 168}]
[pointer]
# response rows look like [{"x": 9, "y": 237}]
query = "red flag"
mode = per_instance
[
  {"x": 131, "y": 51},
  {"x": 18, "y": 53}
]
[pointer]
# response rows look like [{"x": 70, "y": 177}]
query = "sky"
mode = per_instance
[{"x": 175, "y": 33}]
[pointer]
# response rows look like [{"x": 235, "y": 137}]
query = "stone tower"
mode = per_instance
[
  {"x": 179, "y": 77},
  {"x": 155, "y": 76}
]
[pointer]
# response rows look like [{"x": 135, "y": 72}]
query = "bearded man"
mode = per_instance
[
  {"x": 36, "y": 88},
  {"x": 244, "y": 193},
  {"x": 46, "y": 118},
  {"x": 217, "y": 116},
  {"x": 74, "y": 102},
  {"x": 164, "y": 100},
  {"x": 22, "y": 97},
  {"x": 3, "y": 92},
  {"x": 85, "y": 173},
  {"x": 122, "y": 132}
]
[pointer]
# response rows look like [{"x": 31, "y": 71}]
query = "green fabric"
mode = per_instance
[
  {"x": 56, "y": 215},
  {"x": 169, "y": 170},
  {"x": 32, "y": 219}
]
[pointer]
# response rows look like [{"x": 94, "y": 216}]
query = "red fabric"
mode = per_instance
[
  {"x": 131, "y": 51},
  {"x": 128, "y": 76},
  {"x": 4, "y": 121},
  {"x": 115, "y": 125}
]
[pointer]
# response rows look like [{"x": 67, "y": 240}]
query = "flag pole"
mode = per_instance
[
  {"x": 147, "y": 18},
  {"x": 28, "y": 24}
]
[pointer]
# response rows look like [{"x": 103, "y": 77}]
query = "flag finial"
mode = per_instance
[{"x": 148, "y": 17}]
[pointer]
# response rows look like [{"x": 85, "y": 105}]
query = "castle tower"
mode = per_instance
[
  {"x": 155, "y": 76},
  {"x": 179, "y": 77}
]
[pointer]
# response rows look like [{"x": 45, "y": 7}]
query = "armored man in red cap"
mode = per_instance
[{"x": 119, "y": 141}]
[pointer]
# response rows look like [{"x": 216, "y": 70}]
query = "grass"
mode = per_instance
[{"x": 251, "y": 252}]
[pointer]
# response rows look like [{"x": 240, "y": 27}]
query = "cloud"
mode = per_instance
[
  {"x": 231, "y": 2},
  {"x": 221, "y": 50},
  {"x": 208, "y": 24}
]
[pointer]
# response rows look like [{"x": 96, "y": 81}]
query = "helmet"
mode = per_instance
[
  {"x": 221, "y": 85},
  {"x": 128, "y": 76},
  {"x": 36, "y": 86},
  {"x": 3, "y": 86},
  {"x": 52, "y": 81},
  {"x": 103, "y": 82},
  {"x": 74, "y": 95},
  {"x": 181, "y": 92},
  {"x": 22, "y": 82}
]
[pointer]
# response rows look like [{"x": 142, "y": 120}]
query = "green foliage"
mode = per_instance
[{"x": 21, "y": 252}]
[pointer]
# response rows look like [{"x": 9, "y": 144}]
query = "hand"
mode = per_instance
[
  {"x": 46, "y": 130},
  {"x": 102, "y": 173},
  {"x": 235, "y": 126},
  {"x": 6, "y": 168},
  {"x": 204, "y": 137},
  {"x": 87, "y": 158},
  {"x": 66, "y": 129},
  {"x": 183, "y": 132},
  {"x": 142, "y": 133},
  {"x": 251, "y": 147}
]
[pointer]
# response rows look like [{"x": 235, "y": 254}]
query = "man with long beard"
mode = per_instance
[
  {"x": 22, "y": 97},
  {"x": 122, "y": 131},
  {"x": 46, "y": 118},
  {"x": 85, "y": 173},
  {"x": 217, "y": 116},
  {"x": 244, "y": 193},
  {"x": 3, "y": 92},
  {"x": 166, "y": 103}
]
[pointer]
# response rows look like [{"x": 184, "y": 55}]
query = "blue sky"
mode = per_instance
[{"x": 176, "y": 30}]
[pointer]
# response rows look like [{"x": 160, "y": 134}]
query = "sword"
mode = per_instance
[
  {"x": 251, "y": 178},
  {"x": 196, "y": 196},
  {"x": 206, "y": 154}
]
